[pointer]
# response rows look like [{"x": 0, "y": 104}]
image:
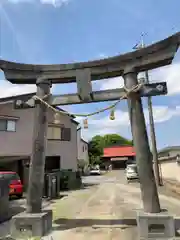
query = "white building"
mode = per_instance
[{"x": 82, "y": 148}]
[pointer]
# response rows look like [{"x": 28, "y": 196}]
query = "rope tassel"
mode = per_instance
[
  {"x": 85, "y": 123},
  {"x": 112, "y": 115}
]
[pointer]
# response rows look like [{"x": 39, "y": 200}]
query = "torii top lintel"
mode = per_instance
[{"x": 150, "y": 57}]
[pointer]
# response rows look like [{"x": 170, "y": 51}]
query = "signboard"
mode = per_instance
[
  {"x": 119, "y": 158},
  {"x": 154, "y": 89}
]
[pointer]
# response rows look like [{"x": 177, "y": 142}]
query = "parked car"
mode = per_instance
[
  {"x": 131, "y": 172},
  {"x": 95, "y": 171},
  {"x": 15, "y": 185}
]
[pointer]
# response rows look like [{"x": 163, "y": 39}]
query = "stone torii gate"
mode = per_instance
[{"x": 128, "y": 66}]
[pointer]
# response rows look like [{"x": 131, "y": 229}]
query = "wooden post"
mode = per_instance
[
  {"x": 36, "y": 174},
  {"x": 143, "y": 155}
]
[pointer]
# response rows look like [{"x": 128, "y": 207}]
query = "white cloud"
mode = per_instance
[
  {"x": 162, "y": 113},
  {"x": 170, "y": 74},
  {"x": 104, "y": 125},
  {"x": 112, "y": 83},
  {"x": 55, "y": 3},
  {"x": 8, "y": 89}
]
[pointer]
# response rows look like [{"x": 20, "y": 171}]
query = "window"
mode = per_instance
[
  {"x": 54, "y": 133},
  {"x": 65, "y": 134},
  {"x": 7, "y": 125},
  {"x": 59, "y": 133},
  {"x": 11, "y": 126},
  {"x": 3, "y": 125}
]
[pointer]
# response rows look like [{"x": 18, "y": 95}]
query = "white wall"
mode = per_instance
[
  {"x": 82, "y": 148},
  {"x": 170, "y": 170},
  {"x": 79, "y": 143}
]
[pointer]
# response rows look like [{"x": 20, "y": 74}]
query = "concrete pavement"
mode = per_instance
[
  {"x": 110, "y": 212},
  {"x": 105, "y": 209}
]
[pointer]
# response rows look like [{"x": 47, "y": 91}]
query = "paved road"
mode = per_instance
[
  {"x": 117, "y": 176},
  {"x": 109, "y": 212},
  {"x": 98, "y": 179},
  {"x": 105, "y": 209}
]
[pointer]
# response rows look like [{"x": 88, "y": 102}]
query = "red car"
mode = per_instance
[{"x": 15, "y": 186}]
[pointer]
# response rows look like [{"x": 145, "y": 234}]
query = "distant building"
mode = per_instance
[
  {"x": 171, "y": 151},
  {"x": 82, "y": 147},
  {"x": 119, "y": 156},
  {"x": 169, "y": 159}
]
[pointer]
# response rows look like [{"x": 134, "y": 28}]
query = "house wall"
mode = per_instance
[
  {"x": 66, "y": 149},
  {"x": 79, "y": 143},
  {"x": 170, "y": 153},
  {"x": 82, "y": 148},
  {"x": 19, "y": 143},
  {"x": 170, "y": 170}
]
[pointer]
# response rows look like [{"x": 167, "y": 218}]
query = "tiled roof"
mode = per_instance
[{"x": 119, "y": 151}]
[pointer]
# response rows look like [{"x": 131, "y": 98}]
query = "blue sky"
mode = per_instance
[{"x": 62, "y": 31}]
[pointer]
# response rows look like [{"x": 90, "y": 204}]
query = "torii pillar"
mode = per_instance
[
  {"x": 141, "y": 144},
  {"x": 151, "y": 222},
  {"x": 35, "y": 221},
  {"x": 36, "y": 174}
]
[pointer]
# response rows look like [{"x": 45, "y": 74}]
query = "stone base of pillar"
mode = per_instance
[
  {"x": 26, "y": 225},
  {"x": 155, "y": 226}
]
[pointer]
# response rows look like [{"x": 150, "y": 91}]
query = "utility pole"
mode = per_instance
[
  {"x": 153, "y": 138},
  {"x": 152, "y": 128}
]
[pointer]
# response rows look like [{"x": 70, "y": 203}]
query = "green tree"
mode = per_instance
[
  {"x": 95, "y": 149},
  {"x": 81, "y": 163},
  {"x": 115, "y": 139},
  {"x": 98, "y": 142}
]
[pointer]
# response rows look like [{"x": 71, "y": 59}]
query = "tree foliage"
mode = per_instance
[
  {"x": 81, "y": 163},
  {"x": 98, "y": 142}
]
